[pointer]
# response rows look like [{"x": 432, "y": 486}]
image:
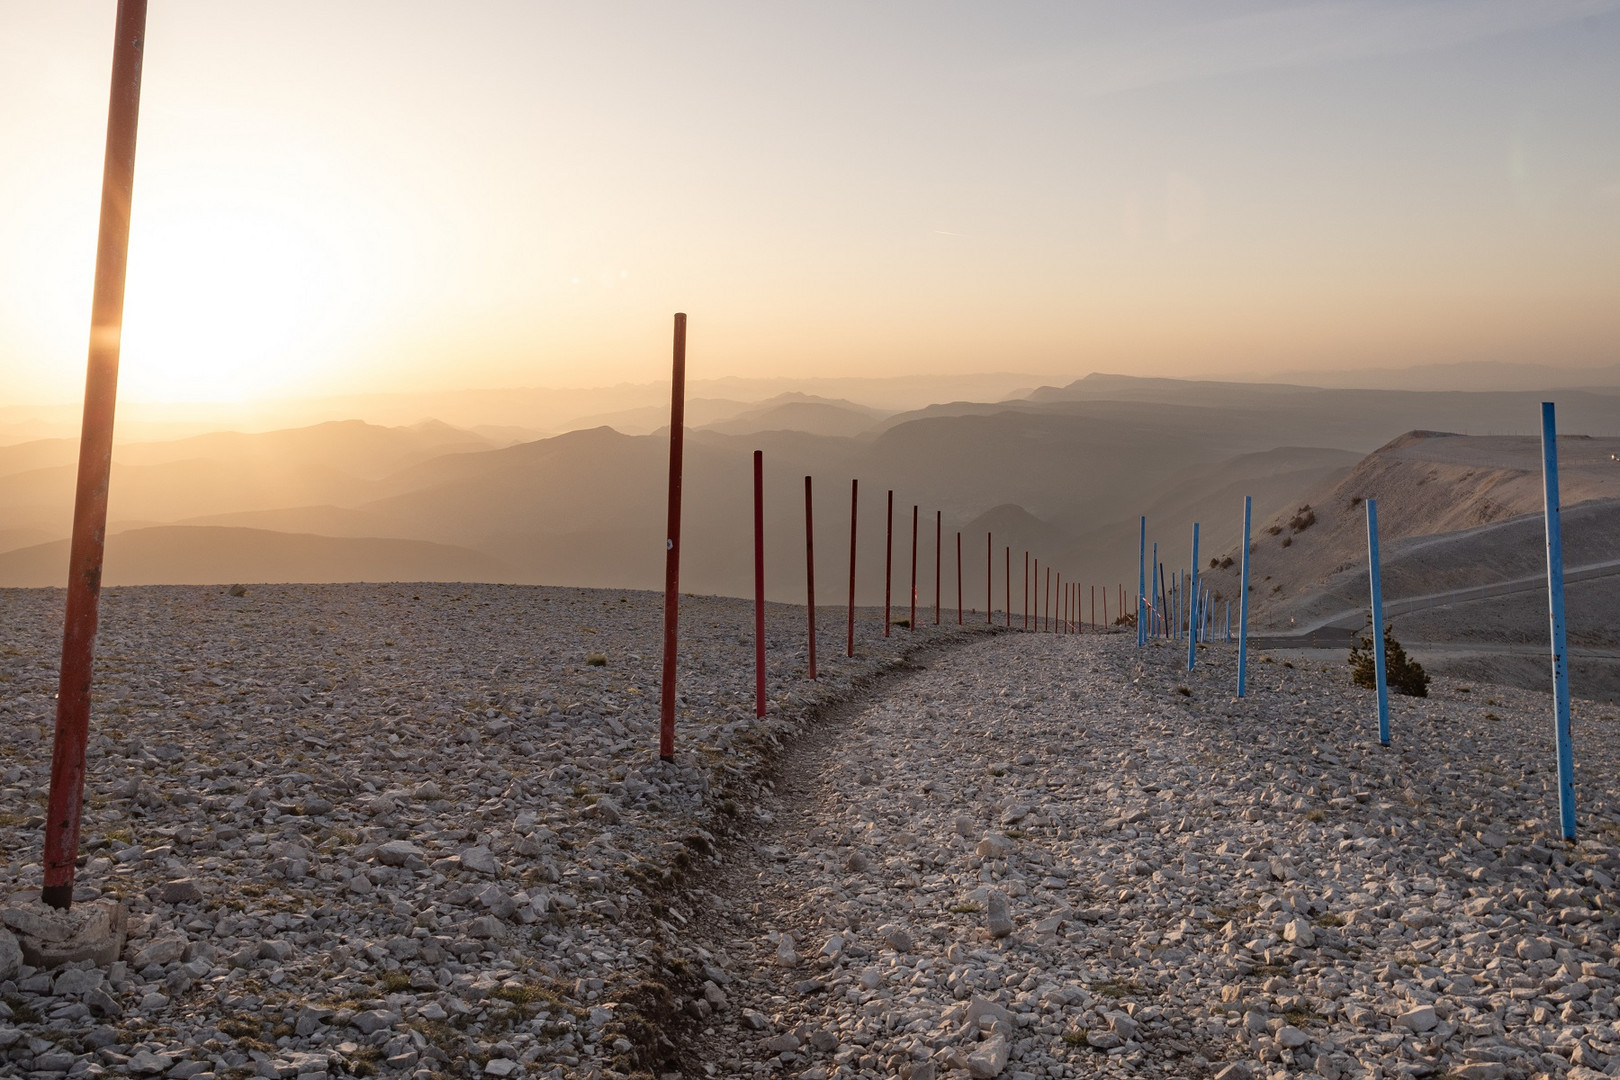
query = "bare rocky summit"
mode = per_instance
[
  {"x": 388, "y": 830},
  {"x": 410, "y": 831}
]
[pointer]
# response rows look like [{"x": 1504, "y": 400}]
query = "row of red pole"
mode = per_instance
[{"x": 64, "y": 809}]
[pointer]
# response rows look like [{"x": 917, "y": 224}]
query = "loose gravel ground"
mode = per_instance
[
  {"x": 1064, "y": 857},
  {"x": 394, "y": 830},
  {"x": 413, "y": 831}
]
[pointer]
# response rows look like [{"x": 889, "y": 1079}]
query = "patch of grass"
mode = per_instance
[
  {"x": 966, "y": 907},
  {"x": 1016, "y": 834},
  {"x": 1303, "y": 519},
  {"x": 596, "y": 660},
  {"x": 903, "y": 622},
  {"x": 1076, "y": 1036},
  {"x": 1117, "y": 988},
  {"x": 1330, "y": 919},
  {"x": 1317, "y": 816},
  {"x": 528, "y": 994},
  {"x": 394, "y": 982},
  {"x": 1184, "y": 691},
  {"x": 21, "y": 1011},
  {"x": 1266, "y": 971}
]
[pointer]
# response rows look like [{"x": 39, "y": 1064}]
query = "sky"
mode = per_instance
[{"x": 349, "y": 196}]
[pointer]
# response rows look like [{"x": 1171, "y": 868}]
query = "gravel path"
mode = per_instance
[
  {"x": 412, "y": 831},
  {"x": 1047, "y": 857},
  {"x": 386, "y": 829}
]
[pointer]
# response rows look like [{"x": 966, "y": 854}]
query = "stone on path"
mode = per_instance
[{"x": 997, "y": 919}]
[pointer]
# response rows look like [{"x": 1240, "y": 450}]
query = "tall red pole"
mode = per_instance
[
  {"x": 1060, "y": 604},
  {"x": 759, "y": 583},
  {"x": 888, "y": 563},
  {"x": 66, "y": 805},
  {"x": 810, "y": 573},
  {"x": 914, "y": 568},
  {"x": 1105, "y": 606},
  {"x": 1009, "y": 585},
  {"x": 1049, "y": 598},
  {"x": 958, "y": 579},
  {"x": 854, "y": 504},
  {"x": 672, "y": 545},
  {"x": 1094, "y": 607},
  {"x": 939, "y": 551}
]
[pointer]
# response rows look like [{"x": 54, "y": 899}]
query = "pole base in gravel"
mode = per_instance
[{"x": 50, "y": 937}]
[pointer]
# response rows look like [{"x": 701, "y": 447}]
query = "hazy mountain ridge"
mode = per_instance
[{"x": 587, "y": 507}]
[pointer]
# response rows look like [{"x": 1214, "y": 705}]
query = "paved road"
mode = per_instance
[{"x": 1338, "y": 631}]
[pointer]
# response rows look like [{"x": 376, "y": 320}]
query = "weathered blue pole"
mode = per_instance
[
  {"x": 1192, "y": 599},
  {"x": 1243, "y": 605},
  {"x": 1555, "y": 597},
  {"x": 1378, "y": 622},
  {"x": 1229, "y": 622},
  {"x": 1141, "y": 585}
]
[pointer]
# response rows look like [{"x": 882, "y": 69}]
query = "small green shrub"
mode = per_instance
[
  {"x": 1303, "y": 519},
  {"x": 1404, "y": 675}
]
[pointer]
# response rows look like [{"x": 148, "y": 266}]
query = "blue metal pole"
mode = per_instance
[
  {"x": 1141, "y": 585},
  {"x": 1229, "y": 622},
  {"x": 1555, "y": 597},
  {"x": 1243, "y": 605},
  {"x": 1378, "y": 622},
  {"x": 1192, "y": 598}
]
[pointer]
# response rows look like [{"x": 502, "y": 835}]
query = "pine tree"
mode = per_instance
[{"x": 1403, "y": 674}]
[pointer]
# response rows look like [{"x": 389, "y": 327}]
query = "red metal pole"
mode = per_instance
[
  {"x": 913, "y": 568},
  {"x": 72, "y": 733},
  {"x": 958, "y": 579},
  {"x": 854, "y": 504},
  {"x": 939, "y": 551},
  {"x": 672, "y": 545},
  {"x": 1008, "y": 582},
  {"x": 1049, "y": 598},
  {"x": 1026, "y": 590},
  {"x": 1061, "y": 606},
  {"x": 1094, "y": 607},
  {"x": 888, "y": 563},
  {"x": 759, "y": 583},
  {"x": 1105, "y": 607},
  {"x": 810, "y": 573}
]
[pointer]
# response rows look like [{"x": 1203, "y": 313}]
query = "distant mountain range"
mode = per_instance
[{"x": 1063, "y": 472}]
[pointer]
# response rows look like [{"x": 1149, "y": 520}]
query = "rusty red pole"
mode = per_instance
[
  {"x": 959, "y": 579},
  {"x": 854, "y": 504},
  {"x": 672, "y": 545},
  {"x": 1062, "y": 607},
  {"x": 759, "y": 583},
  {"x": 72, "y": 733},
  {"x": 810, "y": 573},
  {"x": 1008, "y": 581},
  {"x": 913, "y": 569},
  {"x": 1049, "y": 598},
  {"x": 888, "y": 563},
  {"x": 1105, "y": 608},
  {"x": 939, "y": 551},
  {"x": 1094, "y": 607}
]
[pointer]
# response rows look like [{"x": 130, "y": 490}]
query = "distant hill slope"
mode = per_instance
[
  {"x": 204, "y": 555},
  {"x": 1453, "y": 511}
]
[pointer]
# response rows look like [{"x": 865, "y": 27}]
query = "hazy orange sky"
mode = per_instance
[{"x": 341, "y": 196}]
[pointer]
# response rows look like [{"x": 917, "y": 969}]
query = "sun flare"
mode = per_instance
[{"x": 223, "y": 301}]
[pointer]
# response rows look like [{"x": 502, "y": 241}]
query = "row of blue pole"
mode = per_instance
[{"x": 1191, "y": 610}]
